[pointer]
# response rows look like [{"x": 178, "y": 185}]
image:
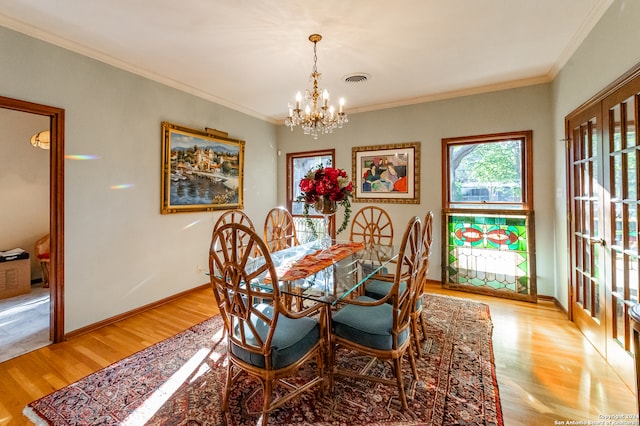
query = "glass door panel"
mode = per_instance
[{"x": 621, "y": 113}]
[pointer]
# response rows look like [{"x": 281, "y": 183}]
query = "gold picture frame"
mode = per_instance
[
  {"x": 386, "y": 173},
  {"x": 201, "y": 170}
]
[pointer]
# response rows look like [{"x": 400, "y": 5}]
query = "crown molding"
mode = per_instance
[{"x": 89, "y": 52}]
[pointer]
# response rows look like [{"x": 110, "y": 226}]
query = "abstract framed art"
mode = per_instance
[
  {"x": 387, "y": 173},
  {"x": 201, "y": 170}
]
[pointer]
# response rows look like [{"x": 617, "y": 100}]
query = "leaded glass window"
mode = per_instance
[{"x": 488, "y": 215}]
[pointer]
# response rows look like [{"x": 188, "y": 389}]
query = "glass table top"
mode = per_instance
[{"x": 326, "y": 274}]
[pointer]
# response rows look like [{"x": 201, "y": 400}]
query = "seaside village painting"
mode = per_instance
[{"x": 203, "y": 171}]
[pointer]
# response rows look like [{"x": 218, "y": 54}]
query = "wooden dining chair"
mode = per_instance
[
  {"x": 416, "y": 315},
  {"x": 235, "y": 216},
  {"x": 42, "y": 250},
  {"x": 279, "y": 234},
  {"x": 372, "y": 225},
  {"x": 279, "y": 230},
  {"x": 381, "y": 328},
  {"x": 265, "y": 340},
  {"x": 380, "y": 285}
]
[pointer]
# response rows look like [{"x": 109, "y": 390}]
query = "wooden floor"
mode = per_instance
[{"x": 547, "y": 372}]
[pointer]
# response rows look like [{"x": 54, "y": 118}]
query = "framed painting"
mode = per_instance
[
  {"x": 387, "y": 173},
  {"x": 201, "y": 170}
]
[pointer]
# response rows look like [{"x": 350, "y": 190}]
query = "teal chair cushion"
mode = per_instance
[
  {"x": 377, "y": 289},
  {"x": 292, "y": 339},
  {"x": 367, "y": 325}
]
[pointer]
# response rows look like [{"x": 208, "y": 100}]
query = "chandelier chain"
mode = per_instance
[{"x": 315, "y": 57}]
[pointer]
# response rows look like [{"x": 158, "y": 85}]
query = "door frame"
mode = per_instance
[
  {"x": 596, "y": 99},
  {"x": 56, "y": 207},
  {"x": 617, "y": 357}
]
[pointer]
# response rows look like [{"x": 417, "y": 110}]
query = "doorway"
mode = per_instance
[
  {"x": 56, "y": 207},
  {"x": 603, "y": 156}
]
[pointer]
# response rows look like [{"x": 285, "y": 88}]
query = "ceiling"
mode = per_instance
[{"x": 254, "y": 55}]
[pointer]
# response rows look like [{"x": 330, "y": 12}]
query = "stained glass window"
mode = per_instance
[
  {"x": 488, "y": 215},
  {"x": 488, "y": 251}
]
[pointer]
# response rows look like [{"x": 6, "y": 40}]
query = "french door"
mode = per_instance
[
  {"x": 621, "y": 111},
  {"x": 603, "y": 166},
  {"x": 587, "y": 242}
]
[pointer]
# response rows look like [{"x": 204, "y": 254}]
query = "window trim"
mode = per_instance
[
  {"x": 291, "y": 189},
  {"x": 527, "y": 162},
  {"x": 293, "y": 155}
]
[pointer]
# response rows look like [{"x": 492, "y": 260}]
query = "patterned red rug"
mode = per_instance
[{"x": 179, "y": 382}]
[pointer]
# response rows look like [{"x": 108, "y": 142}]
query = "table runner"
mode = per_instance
[{"x": 317, "y": 261}]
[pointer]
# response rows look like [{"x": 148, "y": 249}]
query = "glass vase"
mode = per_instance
[{"x": 326, "y": 208}]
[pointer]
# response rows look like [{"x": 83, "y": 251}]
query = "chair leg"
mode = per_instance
[
  {"x": 331, "y": 362},
  {"x": 45, "y": 274},
  {"x": 398, "y": 370},
  {"x": 412, "y": 361},
  {"x": 227, "y": 387},
  {"x": 424, "y": 326},
  {"x": 414, "y": 334},
  {"x": 267, "y": 388},
  {"x": 299, "y": 301},
  {"x": 320, "y": 359},
  {"x": 288, "y": 301},
  {"x": 331, "y": 348}
]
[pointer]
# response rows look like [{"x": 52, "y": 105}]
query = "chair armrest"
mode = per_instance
[
  {"x": 303, "y": 313},
  {"x": 382, "y": 277},
  {"x": 371, "y": 302}
]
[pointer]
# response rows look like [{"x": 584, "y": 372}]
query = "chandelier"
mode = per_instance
[{"x": 318, "y": 116}]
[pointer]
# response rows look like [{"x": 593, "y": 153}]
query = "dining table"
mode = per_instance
[
  {"x": 317, "y": 272},
  {"x": 326, "y": 274}
]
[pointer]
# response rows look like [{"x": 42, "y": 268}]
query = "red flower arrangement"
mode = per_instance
[{"x": 331, "y": 184}]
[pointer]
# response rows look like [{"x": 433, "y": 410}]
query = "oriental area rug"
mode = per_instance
[{"x": 180, "y": 381}]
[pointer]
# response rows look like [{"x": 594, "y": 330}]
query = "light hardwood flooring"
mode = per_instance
[{"x": 547, "y": 372}]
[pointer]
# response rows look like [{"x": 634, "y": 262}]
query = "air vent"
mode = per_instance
[{"x": 357, "y": 78}]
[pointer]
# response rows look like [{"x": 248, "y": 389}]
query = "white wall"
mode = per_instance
[
  {"x": 24, "y": 184},
  {"x": 120, "y": 252},
  {"x": 610, "y": 50},
  {"x": 503, "y": 111}
]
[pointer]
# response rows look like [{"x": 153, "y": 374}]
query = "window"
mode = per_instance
[
  {"x": 298, "y": 164},
  {"x": 488, "y": 171},
  {"x": 488, "y": 216}
]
